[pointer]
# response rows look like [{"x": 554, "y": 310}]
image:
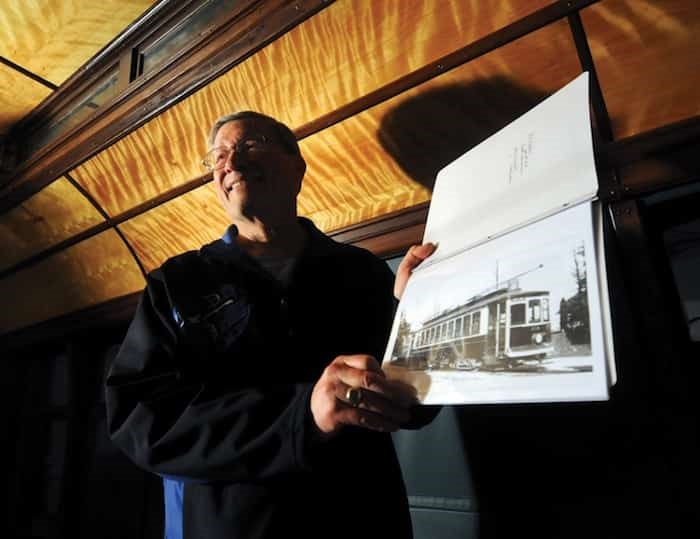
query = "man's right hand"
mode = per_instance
[{"x": 384, "y": 404}]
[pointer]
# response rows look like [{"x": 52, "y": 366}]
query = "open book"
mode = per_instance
[{"x": 513, "y": 305}]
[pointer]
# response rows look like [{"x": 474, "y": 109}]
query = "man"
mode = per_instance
[{"x": 248, "y": 377}]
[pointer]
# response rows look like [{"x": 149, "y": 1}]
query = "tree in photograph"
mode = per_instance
[{"x": 573, "y": 311}]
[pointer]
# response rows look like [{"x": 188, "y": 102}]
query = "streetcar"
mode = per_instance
[{"x": 499, "y": 329}]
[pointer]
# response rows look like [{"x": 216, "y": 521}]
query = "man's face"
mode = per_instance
[{"x": 261, "y": 183}]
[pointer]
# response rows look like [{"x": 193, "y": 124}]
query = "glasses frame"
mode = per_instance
[{"x": 241, "y": 147}]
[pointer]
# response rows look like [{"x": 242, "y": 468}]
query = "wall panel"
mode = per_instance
[
  {"x": 91, "y": 272},
  {"x": 646, "y": 56},
  {"x": 57, "y": 212},
  {"x": 18, "y": 96},
  {"x": 183, "y": 224}
]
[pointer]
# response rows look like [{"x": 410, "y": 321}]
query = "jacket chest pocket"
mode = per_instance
[{"x": 219, "y": 317}]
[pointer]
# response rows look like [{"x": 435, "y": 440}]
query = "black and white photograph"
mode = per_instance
[{"x": 511, "y": 319}]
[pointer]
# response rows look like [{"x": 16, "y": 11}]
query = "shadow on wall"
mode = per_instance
[{"x": 430, "y": 130}]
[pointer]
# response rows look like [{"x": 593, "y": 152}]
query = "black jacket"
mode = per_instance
[{"x": 211, "y": 388}]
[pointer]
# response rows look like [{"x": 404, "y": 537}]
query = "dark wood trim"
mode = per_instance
[
  {"x": 232, "y": 42},
  {"x": 380, "y": 226},
  {"x": 609, "y": 184},
  {"x": 651, "y": 143},
  {"x": 114, "y": 312},
  {"x": 27, "y": 73},
  {"x": 486, "y": 44},
  {"x": 600, "y": 109}
]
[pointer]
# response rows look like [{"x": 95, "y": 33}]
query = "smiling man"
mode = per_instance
[{"x": 248, "y": 379}]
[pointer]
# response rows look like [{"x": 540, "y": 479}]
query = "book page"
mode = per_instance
[
  {"x": 535, "y": 166},
  {"x": 515, "y": 319}
]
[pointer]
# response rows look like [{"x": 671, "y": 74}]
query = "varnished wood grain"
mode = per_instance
[
  {"x": 54, "y": 214},
  {"x": 184, "y": 224},
  {"x": 338, "y": 55},
  {"x": 18, "y": 96},
  {"x": 646, "y": 56},
  {"x": 53, "y": 38},
  {"x": 91, "y": 272}
]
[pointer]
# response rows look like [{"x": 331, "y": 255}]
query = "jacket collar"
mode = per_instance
[{"x": 317, "y": 244}]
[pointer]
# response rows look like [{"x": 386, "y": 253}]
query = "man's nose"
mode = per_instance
[{"x": 236, "y": 160}]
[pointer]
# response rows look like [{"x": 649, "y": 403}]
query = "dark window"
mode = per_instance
[{"x": 517, "y": 314}]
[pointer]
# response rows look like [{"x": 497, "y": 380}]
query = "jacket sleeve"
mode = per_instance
[{"x": 174, "y": 421}]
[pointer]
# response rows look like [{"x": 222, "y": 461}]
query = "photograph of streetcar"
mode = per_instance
[{"x": 518, "y": 306}]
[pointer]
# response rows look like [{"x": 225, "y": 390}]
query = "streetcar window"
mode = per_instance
[
  {"x": 545, "y": 310},
  {"x": 517, "y": 313},
  {"x": 476, "y": 323},
  {"x": 535, "y": 313}
]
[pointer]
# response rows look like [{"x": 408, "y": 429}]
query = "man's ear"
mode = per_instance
[{"x": 300, "y": 170}]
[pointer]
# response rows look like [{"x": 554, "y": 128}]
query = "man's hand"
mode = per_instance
[
  {"x": 383, "y": 404},
  {"x": 415, "y": 255}
]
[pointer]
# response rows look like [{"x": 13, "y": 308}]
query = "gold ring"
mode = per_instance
[{"x": 354, "y": 396}]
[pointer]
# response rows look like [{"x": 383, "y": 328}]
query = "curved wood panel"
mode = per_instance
[
  {"x": 646, "y": 56},
  {"x": 53, "y": 38},
  {"x": 387, "y": 158},
  {"x": 18, "y": 96},
  {"x": 54, "y": 214},
  {"x": 93, "y": 271},
  {"x": 337, "y": 56},
  {"x": 183, "y": 224}
]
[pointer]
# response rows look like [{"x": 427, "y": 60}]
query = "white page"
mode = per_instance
[
  {"x": 535, "y": 261},
  {"x": 530, "y": 169}
]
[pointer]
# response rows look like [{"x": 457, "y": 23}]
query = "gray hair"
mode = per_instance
[{"x": 284, "y": 135}]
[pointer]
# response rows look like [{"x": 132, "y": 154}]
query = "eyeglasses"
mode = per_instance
[{"x": 216, "y": 158}]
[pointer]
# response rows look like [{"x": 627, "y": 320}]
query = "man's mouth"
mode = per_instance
[{"x": 233, "y": 185}]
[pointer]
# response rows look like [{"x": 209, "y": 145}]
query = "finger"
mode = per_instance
[
  {"x": 376, "y": 403},
  {"x": 362, "y": 362},
  {"x": 415, "y": 255}
]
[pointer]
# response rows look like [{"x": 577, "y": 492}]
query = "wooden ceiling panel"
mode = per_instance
[
  {"x": 386, "y": 158},
  {"x": 53, "y": 38},
  {"x": 91, "y": 272},
  {"x": 646, "y": 56},
  {"x": 335, "y": 57},
  {"x": 57, "y": 212},
  {"x": 183, "y": 224},
  {"x": 18, "y": 96}
]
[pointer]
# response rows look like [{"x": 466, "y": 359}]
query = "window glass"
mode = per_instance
[
  {"x": 683, "y": 248},
  {"x": 476, "y": 323},
  {"x": 85, "y": 105},
  {"x": 534, "y": 308},
  {"x": 191, "y": 28},
  {"x": 517, "y": 313},
  {"x": 545, "y": 310}
]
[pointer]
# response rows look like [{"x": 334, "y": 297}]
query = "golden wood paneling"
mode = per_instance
[
  {"x": 18, "y": 96},
  {"x": 53, "y": 38},
  {"x": 183, "y": 224},
  {"x": 386, "y": 158},
  {"x": 54, "y": 214},
  {"x": 646, "y": 56},
  {"x": 91, "y": 272},
  {"x": 337, "y": 56}
]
